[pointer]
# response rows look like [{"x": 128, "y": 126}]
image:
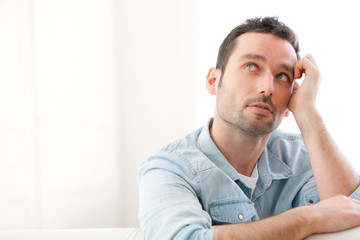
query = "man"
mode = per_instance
[{"x": 237, "y": 178}]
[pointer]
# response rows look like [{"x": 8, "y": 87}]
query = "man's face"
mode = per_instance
[{"x": 257, "y": 83}]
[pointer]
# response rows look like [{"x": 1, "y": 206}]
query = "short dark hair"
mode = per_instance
[{"x": 269, "y": 25}]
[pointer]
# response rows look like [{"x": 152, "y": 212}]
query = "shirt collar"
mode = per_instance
[
  {"x": 275, "y": 171},
  {"x": 208, "y": 147}
]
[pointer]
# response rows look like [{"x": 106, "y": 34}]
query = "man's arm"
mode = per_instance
[
  {"x": 333, "y": 174},
  {"x": 297, "y": 223}
]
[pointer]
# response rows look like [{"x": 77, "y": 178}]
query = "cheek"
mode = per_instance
[
  {"x": 286, "y": 102},
  {"x": 230, "y": 99},
  {"x": 283, "y": 101}
]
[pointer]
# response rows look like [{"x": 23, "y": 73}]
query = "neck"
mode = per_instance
[{"x": 240, "y": 149}]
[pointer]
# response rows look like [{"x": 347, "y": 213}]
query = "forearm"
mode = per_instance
[
  {"x": 293, "y": 224},
  {"x": 333, "y": 173}
]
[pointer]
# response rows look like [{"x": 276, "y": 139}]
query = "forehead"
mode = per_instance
[{"x": 267, "y": 45}]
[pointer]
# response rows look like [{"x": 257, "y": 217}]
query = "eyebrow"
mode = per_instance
[
  {"x": 288, "y": 68},
  {"x": 251, "y": 56}
]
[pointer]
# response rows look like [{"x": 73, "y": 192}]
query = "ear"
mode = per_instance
[
  {"x": 212, "y": 80},
  {"x": 287, "y": 113}
]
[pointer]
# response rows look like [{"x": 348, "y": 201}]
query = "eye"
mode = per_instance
[
  {"x": 283, "y": 77},
  {"x": 251, "y": 66}
]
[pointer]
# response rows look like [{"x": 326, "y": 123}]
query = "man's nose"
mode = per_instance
[{"x": 266, "y": 85}]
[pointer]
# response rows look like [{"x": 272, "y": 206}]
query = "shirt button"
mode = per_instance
[
  {"x": 253, "y": 203},
  {"x": 240, "y": 217}
]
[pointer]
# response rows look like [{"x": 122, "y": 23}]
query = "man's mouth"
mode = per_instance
[{"x": 261, "y": 108}]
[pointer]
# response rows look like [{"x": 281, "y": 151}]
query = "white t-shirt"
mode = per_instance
[{"x": 252, "y": 179}]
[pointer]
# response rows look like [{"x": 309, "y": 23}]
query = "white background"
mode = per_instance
[{"x": 89, "y": 88}]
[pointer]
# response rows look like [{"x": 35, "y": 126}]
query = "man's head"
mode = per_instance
[
  {"x": 254, "y": 79},
  {"x": 269, "y": 25}
]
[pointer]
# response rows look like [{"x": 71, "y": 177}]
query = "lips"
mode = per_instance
[{"x": 261, "y": 108}]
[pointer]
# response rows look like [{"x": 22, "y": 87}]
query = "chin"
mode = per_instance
[{"x": 256, "y": 129}]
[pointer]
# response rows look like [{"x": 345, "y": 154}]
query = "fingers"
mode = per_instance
[
  {"x": 334, "y": 218},
  {"x": 307, "y": 89},
  {"x": 310, "y": 58},
  {"x": 304, "y": 65},
  {"x": 346, "y": 202}
]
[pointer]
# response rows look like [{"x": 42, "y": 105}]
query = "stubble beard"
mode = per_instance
[
  {"x": 255, "y": 128},
  {"x": 258, "y": 126}
]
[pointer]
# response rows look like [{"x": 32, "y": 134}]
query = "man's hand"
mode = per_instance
[
  {"x": 331, "y": 215},
  {"x": 304, "y": 96},
  {"x": 336, "y": 214}
]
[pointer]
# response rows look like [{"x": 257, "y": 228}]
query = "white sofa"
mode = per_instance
[
  {"x": 74, "y": 234},
  {"x": 130, "y": 234}
]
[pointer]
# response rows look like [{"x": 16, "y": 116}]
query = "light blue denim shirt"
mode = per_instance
[{"x": 189, "y": 186}]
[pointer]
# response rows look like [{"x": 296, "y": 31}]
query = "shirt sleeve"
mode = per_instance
[
  {"x": 169, "y": 206},
  {"x": 308, "y": 194}
]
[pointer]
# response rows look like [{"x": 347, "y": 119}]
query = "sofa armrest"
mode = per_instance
[
  {"x": 130, "y": 234},
  {"x": 73, "y": 234},
  {"x": 350, "y": 234}
]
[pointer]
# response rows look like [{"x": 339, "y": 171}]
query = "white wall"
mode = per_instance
[
  {"x": 58, "y": 115},
  {"x": 89, "y": 88},
  {"x": 157, "y": 85},
  {"x": 17, "y": 198}
]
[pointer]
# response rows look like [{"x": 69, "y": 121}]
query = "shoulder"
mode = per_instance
[
  {"x": 290, "y": 149},
  {"x": 181, "y": 156},
  {"x": 280, "y": 137}
]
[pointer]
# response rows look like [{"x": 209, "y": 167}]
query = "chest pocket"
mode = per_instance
[{"x": 231, "y": 211}]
